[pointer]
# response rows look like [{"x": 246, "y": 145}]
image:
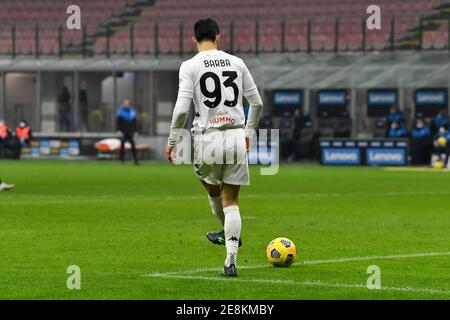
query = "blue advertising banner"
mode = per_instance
[
  {"x": 382, "y": 98},
  {"x": 382, "y": 152},
  {"x": 335, "y": 98},
  {"x": 384, "y": 156},
  {"x": 349, "y": 156},
  {"x": 287, "y": 98},
  {"x": 424, "y": 97}
]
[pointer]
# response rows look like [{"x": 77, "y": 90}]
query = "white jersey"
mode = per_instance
[{"x": 216, "y": 81}]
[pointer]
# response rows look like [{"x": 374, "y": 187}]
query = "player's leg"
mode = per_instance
[
  {"x": 235, "y": 174},
  {"x": 133, "y": 150},
  {"x": 215, "y": 201},
  {"x": 122, "y": 149},
  {"x": 232, "y": 226},
  {"x": 209, "y": 174}
]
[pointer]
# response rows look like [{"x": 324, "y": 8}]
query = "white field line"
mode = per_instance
[
  {"x": 315, "y": 283},
  {"x": 203, "y": 197},
  {"x": 309, "y": 283},
  {"x": 310, "y": 262}
]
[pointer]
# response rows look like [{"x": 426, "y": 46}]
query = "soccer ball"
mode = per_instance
[
  {"x": 439, "y": 164},
  {"x": 441, "y": 141},
  {"x": 281, "y": 252}
]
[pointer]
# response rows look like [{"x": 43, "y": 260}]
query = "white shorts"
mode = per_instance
[{"x": 221, "y": 156}]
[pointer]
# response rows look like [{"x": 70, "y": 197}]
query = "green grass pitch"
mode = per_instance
[{"x": 139, "y": 233}]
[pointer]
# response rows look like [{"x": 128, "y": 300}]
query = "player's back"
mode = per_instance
[{"x": 218, "y": 81}]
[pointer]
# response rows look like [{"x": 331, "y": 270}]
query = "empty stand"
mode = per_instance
[{"x": 247, "y": 26}]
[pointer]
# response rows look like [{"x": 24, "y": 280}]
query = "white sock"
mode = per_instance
[
  {"x": 216, "y": 207},
  {"x": 232, "y": 233}
]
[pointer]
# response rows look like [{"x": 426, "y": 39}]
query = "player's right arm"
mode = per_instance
[
  {"x": 250, "y": 92},
  {"x": 182, "y": 106}
]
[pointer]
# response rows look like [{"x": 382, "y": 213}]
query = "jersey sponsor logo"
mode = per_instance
[
  {"x": 217, "y": 63},
  {"x": 222, "y": 118}
]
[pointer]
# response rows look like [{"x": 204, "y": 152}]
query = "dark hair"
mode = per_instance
[{"x": 206, "y": 29}]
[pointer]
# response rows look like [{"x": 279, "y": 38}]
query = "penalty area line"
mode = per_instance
[
  {"x": 308, "y": 283},
  {"x": 311, "y": 262}
]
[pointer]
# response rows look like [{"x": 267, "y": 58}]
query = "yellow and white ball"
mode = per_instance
[{"x": 281, "y": 252}]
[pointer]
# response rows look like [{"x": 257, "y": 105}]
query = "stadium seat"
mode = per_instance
[{"x": 50, "y": 14}]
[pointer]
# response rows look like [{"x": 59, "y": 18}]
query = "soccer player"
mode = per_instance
[{"x": 217, "y": 82}]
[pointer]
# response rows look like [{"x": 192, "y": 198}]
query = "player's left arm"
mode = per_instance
[
  {"x": 250, "y": 92},
  {"x": 181, "y": 110}
]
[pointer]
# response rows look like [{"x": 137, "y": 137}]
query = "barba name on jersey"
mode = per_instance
[{"x": 217, "y": 63}]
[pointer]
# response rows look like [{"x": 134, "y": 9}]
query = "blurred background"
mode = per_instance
[{"x": 336, "y": 90}]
